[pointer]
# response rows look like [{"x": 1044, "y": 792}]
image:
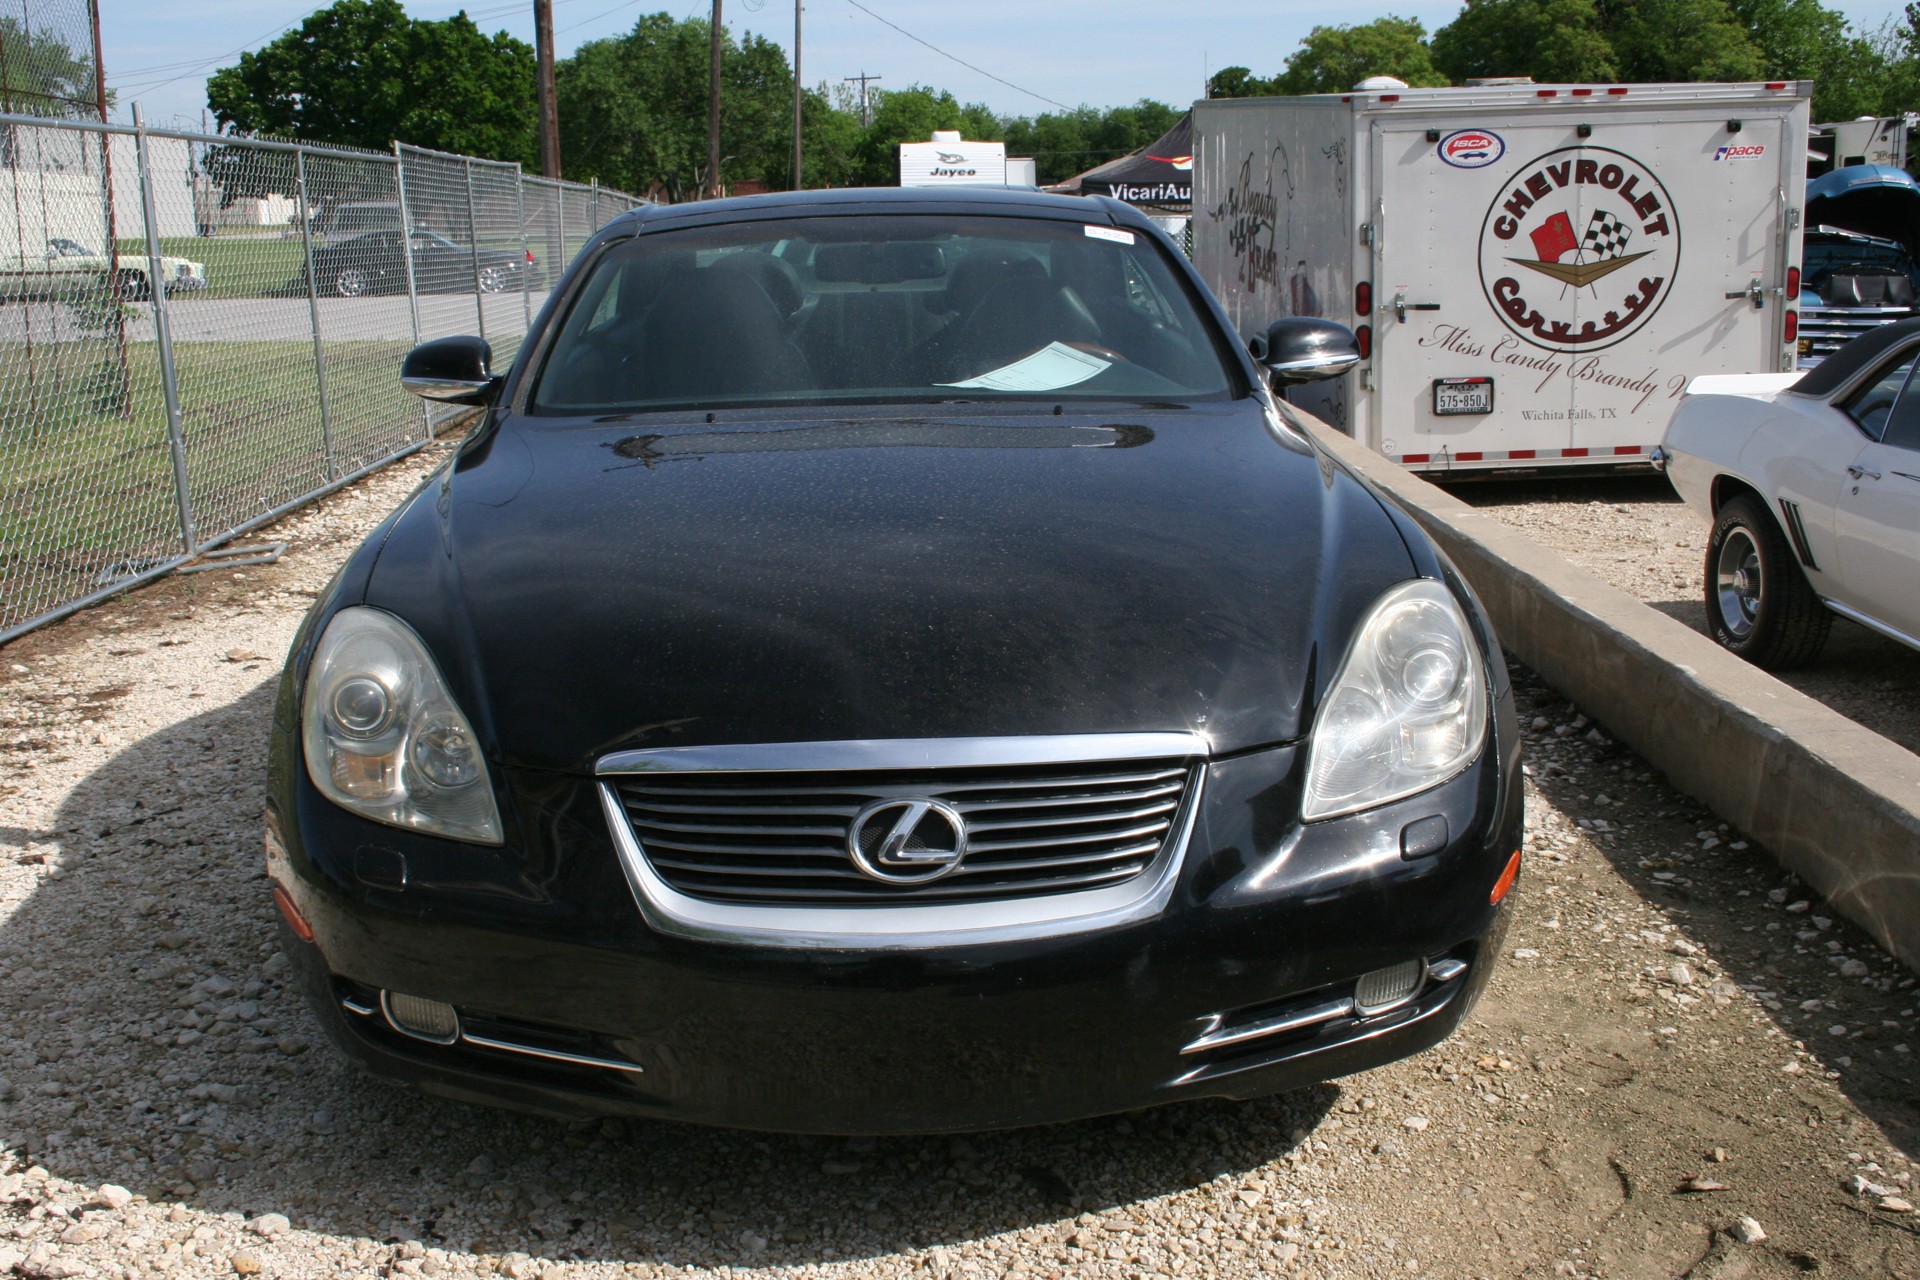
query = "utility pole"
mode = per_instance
[
  {"x": 713, "y": 109},
  {"x": 866, "y": 117},
  {"x": 799, "y": 174},
  {"x": 543, "y": 77}
]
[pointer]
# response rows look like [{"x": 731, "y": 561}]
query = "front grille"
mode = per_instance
[
  {"x": 781, "y": 837},
  {"x": 1824, "y": 330}
]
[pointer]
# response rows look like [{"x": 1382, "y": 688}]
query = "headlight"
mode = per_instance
[
  {"x": 383, "y": 736},
  {"x": 1408, "y": 709}
]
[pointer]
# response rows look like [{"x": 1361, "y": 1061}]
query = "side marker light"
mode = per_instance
[
  {"x": 1504, "y": 884},
  {"x": 295, "y": 921}
]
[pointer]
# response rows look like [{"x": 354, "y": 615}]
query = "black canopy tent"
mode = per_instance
[{"x": 1159, "y": 175}]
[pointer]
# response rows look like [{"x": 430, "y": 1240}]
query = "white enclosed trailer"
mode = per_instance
[{"x": 1535, "y": 271}]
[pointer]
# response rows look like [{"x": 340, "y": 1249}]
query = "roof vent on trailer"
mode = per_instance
[
  {"x": 1495, "y": 82},
  {"x": 1373, "y": 84}
]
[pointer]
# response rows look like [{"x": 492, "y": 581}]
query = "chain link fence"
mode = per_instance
[{"x": 200, "y": 333}]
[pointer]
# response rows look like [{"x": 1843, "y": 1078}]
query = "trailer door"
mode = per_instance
[
  {"x": 1453, "y": 385},
  {"x": 1588, "y": 278},
  {"x": 1681, "y": 262}
]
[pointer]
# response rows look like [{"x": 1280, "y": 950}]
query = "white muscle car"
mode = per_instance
[
  {"x": 1813, "y": 485},
  {"x": 67, "y": 270}
]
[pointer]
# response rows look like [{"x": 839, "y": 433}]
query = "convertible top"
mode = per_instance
[{"x": 1838, "y": 369}]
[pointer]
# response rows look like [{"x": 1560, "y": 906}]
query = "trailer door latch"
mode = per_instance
[
  {"x": 1755, "y": 291},
  {"x": 1401, "y": 306}
]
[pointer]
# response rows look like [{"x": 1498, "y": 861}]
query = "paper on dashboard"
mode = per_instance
[{"x": 1053, "y": 366}]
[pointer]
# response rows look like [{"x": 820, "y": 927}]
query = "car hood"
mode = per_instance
[
  {"x": 1873, "y": 199},
  {"x": 591, "y": 586}
]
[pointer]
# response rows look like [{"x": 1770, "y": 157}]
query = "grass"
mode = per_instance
[
  {"x": 87, "y": 489},
  {"x": 270, "y": 266},
  {"x": 237, "y": 267}
]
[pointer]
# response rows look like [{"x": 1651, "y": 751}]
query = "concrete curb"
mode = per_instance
[{"x": 1837, "y": 804}]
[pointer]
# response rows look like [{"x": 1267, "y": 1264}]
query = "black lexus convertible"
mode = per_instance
[{"x": 885, "y": 662}]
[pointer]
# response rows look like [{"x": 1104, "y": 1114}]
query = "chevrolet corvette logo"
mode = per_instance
[{"x": 1587, "y": 213}]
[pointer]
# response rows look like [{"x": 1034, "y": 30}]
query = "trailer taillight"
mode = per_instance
[
  {"x": 1363, "y": 339},
  {"x": 1776, "y": 84},
  {"x": 1581, "y": 93},
  {"x": 1791, "y": 329},
  {"x": 1617, "y": 91},
  {"x": 1793, "y": 283},
  {"x": 1546, "y": 93},
  {"x": 1363, "y": 298}
]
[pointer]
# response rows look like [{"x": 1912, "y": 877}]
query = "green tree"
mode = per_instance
[
  {"x": 1239, "y": 82},
  {"x": 1334, "y": 59},
  {"x": 1550, "y": 40},
  {"x": 911, "y": 115},
  {"x": 363, "y": 73},
  {"x": 1683, "y": 40},
  {"x": 41, "y": 75},
  {"x": 1064, "y": 143},
  {"x": 1803, "y": 40},
  {"x": 633, "y": 109}
]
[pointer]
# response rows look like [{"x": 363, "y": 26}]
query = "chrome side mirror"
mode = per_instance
[
  {"x": 1299, "y": 349},
  {"x": 457, "y": 370}
]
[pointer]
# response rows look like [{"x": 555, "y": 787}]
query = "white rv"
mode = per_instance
[{"x": 1535, "y": 271}]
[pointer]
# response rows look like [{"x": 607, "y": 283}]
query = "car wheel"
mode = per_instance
[
  {"x": 350, "y": 282},
  {"x": 492, "y": 280},
  {"x": 1759, "y": 604},
  {"x": 133, "y": 286}
]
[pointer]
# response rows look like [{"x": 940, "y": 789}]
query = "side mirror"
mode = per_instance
[
  {"x": 1302, "y": 349},
  {"x": 456, "y": 370}
]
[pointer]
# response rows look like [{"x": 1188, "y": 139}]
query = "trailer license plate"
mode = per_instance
[{"x": 1462, "y": 395}]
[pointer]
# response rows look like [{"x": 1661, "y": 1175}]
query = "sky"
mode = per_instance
[{"x": 1026, "y": 56}]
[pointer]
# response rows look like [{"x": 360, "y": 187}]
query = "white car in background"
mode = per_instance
[
  {"x": 66, "y": 270},
  {"x": 1813, "y": 485}
]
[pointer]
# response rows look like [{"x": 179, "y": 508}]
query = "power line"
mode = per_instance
[{"x": 949, "y": 57}]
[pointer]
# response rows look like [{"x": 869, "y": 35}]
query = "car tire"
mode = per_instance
[
  {"x": 1759, "y": 604},
  {"x": 492, "y": 280},
  {"x": 133, "y": 286},
  {"x": 350, "y": 282}
]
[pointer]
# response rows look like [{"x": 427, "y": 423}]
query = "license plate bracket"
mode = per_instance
[{"x": 1453, "y": 397}]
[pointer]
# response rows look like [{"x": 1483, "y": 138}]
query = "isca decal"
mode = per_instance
[{"x": 1471, "y": 148}]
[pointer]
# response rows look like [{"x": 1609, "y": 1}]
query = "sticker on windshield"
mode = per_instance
[
  {"x": 1053, "y": 366},
  {"x": 1114, "y": 234}
]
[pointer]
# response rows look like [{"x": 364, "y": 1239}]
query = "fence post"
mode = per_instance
[
  {"x": 526, "y": 252},
  {"x": 593, "y": 217},
  {"x": 406, "y": 256},
  {"x": 313, "y": 312},
  {"x": 473, "y": 251},
  {"x": 163, "y": 337}
]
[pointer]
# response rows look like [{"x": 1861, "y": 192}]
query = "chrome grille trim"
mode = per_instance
[
  {"x": 1148, "y": 853},
  {"x": 902, "y": 754}
]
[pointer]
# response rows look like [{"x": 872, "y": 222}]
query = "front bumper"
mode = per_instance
[{"x": 1240, "y": 987}]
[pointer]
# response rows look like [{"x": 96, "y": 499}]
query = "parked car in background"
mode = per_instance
[
  {"x": 67, "y": 269},
  {"x": 1812, "y": 482},
  {"x": 885, "y": 662},
  {"x": 376, "y": 262},
  {"x": 1863, "y": 232},
  {"x": 353, "y": 217}
]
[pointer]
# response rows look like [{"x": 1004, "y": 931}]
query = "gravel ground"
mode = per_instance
[
  {"x": 1635, "y": 533},
  {"x": 1685, "y": 1066}
]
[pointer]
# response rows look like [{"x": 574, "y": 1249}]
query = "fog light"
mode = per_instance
[
  {"x": 1384, "y": 988},
  {"x": 421, "y": 1018}
]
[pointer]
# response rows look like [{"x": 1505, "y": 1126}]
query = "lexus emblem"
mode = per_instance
[{"x": 907, "y": 841}]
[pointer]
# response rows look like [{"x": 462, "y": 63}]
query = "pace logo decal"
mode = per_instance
[
  {"x": 1580, "y": 250},
  {"x": 1472, "y": 148},
  {"x": 1751, "y": 151}
]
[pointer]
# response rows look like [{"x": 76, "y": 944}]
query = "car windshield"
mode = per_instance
[{"x": 915, "y": 307}]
